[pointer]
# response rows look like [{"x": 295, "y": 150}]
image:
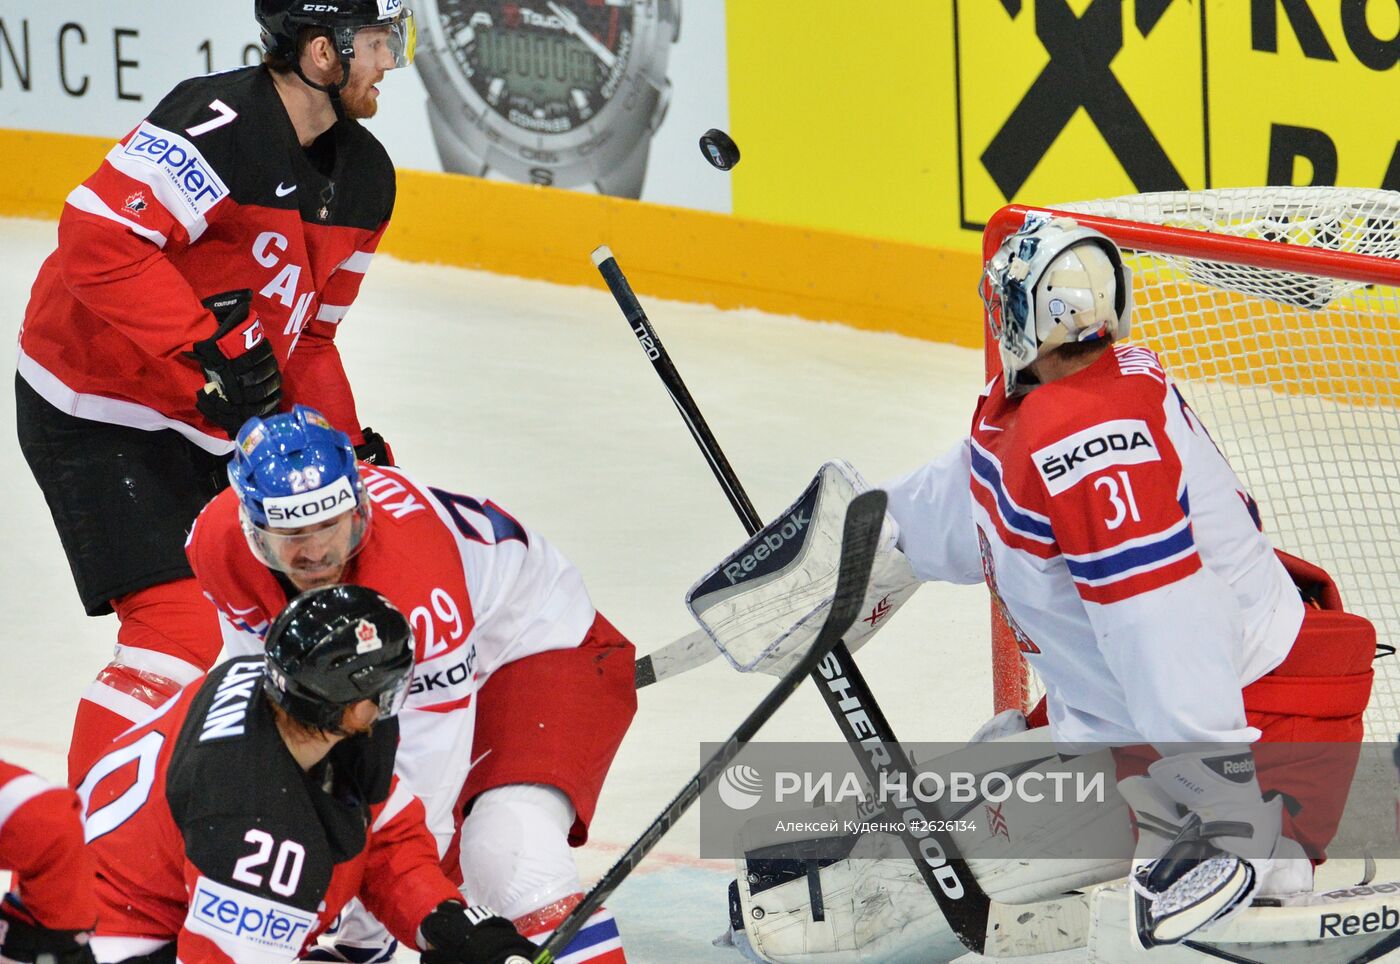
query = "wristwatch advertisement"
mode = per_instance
[
  {"x": 606, "y": 96},
  {"x": 567, "y": 93}
]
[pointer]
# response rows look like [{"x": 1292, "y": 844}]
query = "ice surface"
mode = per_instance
[{"x": 537, "y": 396}]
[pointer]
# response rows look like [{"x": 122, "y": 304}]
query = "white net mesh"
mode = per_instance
[{"x": 1297, "y": 376}]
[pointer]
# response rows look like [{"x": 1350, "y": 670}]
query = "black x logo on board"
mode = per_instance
[{"x": 1080, "y": 74}]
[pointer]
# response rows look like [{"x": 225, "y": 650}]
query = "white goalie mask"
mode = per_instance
[{"x": 1050, "y": 284}]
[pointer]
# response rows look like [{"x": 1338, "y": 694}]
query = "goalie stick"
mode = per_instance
[
  {"x": 844, "y": 690},
  {"x": 691, "y": 651},
  {"x": 861, "y": 533}
]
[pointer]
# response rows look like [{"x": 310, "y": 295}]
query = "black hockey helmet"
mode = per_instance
[
  {"x": 335, "y": 646},
  {"x": 283, "y": 20}
]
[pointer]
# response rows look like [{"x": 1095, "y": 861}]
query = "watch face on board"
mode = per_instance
[{"x": 547, "y": 66}]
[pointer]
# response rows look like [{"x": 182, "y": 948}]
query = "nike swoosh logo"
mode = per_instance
[
  {"x": 988, "y": 428},
  {"x": 284, "y": 191}
]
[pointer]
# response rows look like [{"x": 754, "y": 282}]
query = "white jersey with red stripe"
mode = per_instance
[
  {"x": 1120, "y": 545},
  {"x": 478, "y": 588}
]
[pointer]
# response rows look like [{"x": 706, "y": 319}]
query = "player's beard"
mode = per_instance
[
  {"x": 317, "y": 578},
  {"x": 359, "y": 99}
]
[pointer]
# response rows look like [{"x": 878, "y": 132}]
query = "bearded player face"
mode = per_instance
[
  {"x": 316, "y": 555},
  {"x": 373, "y": 57}
]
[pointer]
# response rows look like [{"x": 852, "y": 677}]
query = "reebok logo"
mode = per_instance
[
  {"x": 1064, "y": 463},
  {"x": 1236, "y": 769},
  {"x": 878, "y": 612},
  {"x": 792, "y": 527},
  {"x": 1387, "y": 918}
]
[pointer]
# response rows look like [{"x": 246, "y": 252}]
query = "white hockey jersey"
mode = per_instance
[
  {"x": 478, "y": 588},
  {"x": 1119, "y": 544}
]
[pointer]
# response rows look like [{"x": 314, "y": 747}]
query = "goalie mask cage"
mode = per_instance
[{"x": 1277, "y": 313}]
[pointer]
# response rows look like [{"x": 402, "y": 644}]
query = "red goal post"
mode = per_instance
[{"x": 1277, "y": 310}]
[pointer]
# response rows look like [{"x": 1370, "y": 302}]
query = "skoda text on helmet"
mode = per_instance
[
  {"x": 301, "y": 500},
  {"x": 1053, "y": 283},
  {"x": 331, "y": 648},
  {"x": 283, "y": 20}
]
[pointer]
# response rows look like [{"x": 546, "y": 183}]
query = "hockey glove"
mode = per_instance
[
  {"x": 22, "y": 938},
  {"x": 457, "y": 934},
  {"x": 1205, "y": 868},
  {"x": 244, "y": 380},
  {"x": 374, "y": 449}
]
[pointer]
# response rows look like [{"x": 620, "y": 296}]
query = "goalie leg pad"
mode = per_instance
[
  {"x": 1022, "y": 850},
  {"x": 1305, "y": 928},
  {"x": 872, "y": 909}
]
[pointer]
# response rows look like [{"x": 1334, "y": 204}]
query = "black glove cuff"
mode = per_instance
[
  {"x": 374, "y": 449},
  {"x": 26, "y": 941}
]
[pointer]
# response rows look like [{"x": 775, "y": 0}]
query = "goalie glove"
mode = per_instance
[
  {"x": 1208, "y": 844},
  {"x": 243, "y": 378},
  {"x": 457, "y": 934},
  {"x": 24, "y": 939},
  {"x": 764, "y": 604}
]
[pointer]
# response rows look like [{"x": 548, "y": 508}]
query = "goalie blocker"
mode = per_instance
[{"x": 764, "y": 604}]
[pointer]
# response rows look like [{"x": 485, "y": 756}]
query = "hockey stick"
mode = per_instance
[
  {"x": 864, "y": 517},
  {"x": 680, "y": 395},
  {"x": 691, "y": 651},
  {"x": 847, "y": 696}
]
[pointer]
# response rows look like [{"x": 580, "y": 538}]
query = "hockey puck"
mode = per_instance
[{"x": 719, "y": 149}]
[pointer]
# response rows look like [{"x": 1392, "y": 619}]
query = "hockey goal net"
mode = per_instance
[{"x": 1277, "y": 312}]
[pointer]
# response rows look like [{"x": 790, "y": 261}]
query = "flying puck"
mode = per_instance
[{"x": 719, "y": 149}]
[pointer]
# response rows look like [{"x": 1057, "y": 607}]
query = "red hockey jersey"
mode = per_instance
[
  {"x": 211, "y": 193},
  {"x": 41, "y": 840},
  {"x": 207, "y": 832}
]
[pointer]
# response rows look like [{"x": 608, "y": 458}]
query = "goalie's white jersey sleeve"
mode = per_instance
[
  {"x": 937, "y": 534},
  {"x": 1120, "y": 545}
]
